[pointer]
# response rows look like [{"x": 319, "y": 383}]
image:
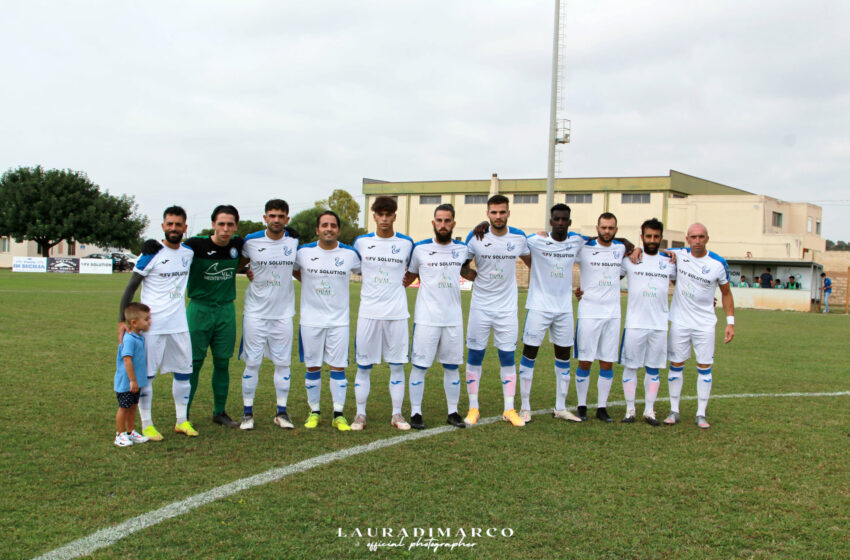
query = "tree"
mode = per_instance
[
  {"x": 343, "y": 204},
  {"x": 304, "y": 223},
  {"x": 49, "y": 206},
  {"x": 245, "y": 227}
]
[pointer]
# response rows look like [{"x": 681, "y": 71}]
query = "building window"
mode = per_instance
[
  {"x": 525, "y": 199},
  {"x": 72, "y": 248},
  {"x": 777, "y": 220},
  {"x": 579, "y": 198},
  {"x": 634, "y": 198},
  {"x": 677, "y": 195},
  {"x": 809, "y": 225},
  {"x": 475, "y": 199},
  {"x": 678, "y": 244},
  {"x": 817, "y": 227},
  {"x": 430, "y": 199},
  {"x": 4, "y": 244}
]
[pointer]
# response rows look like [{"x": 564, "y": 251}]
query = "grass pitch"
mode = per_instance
[{"x": 769, "y": 480}]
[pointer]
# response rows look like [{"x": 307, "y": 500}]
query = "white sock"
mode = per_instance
[
  {"x": 651, "y": 382},
  {"x": 674, "y": 384},
  {"x": 526, "y": 375},
  {"x": 313, "y": 383},
  {"x": 180, "y": 389},
  {"x": 281, "y": 384},
  {"x": 473, "y": 377},
  {"x": 703, "y": 389},
  {"x": 451, "y": 384},
  {"x": 603, "y": 387},
  {"x": 250, "y": 378},
  {"x": 145, "y": 402},
  {"x": 362, "y": 384},
  {"x": 339, "y": 388},
  {"x": 417, "y": 389},
  {"x": 562, "y": 383},
  {"x": 582, "y": 385},
  {"x": 508, "y": 376},
  {"x": 397, "y": 386},
  {"x": 630, "y": 387}
]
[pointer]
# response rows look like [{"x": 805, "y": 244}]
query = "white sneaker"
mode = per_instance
[
  {"x": 359, "y": 423},
  {"x": 565, "y": 415},
  {"x": 121, "y": 440},
  {"x": 247, "y": 422},
  {"x": 284, "y": 421},
  {"x": 525, "y": 415},
  {"x": 136, "y": 437},
  {"x": 399, "y": 422}
]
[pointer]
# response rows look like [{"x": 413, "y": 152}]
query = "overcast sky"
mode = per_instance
[{"x": 200, "y": 103}]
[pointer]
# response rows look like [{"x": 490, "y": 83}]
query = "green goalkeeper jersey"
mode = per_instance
[{"x": 212, "y": 277}]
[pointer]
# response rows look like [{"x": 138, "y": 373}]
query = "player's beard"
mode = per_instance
[
  {"x": 650, "y": 248},
  {"x": 606, "y": 238},
  {"x": 173, "y": 236},
  {"x": 444, "y": 237},
  {"x": 275, "y": 228},
  {"x": 499, "y": 226}
]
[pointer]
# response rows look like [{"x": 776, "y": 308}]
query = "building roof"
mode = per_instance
[{"x": 675, "y": 182}]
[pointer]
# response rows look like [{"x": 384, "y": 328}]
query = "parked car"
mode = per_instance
[{"x": 120, "y": 261}]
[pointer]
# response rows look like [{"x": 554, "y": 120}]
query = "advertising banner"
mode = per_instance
[
  {"x": 95, "y": 266},
  {"x": 63, "y": 264},
  {"x": 29, "y": 264}
]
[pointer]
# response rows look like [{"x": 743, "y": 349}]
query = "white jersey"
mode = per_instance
[
  {"x": 271, "y": 294},
  {"x": 384, "y": 261},
  {"x": 325, "y": 277},
  {"x": 494, "y": 288},
  {"x": 164, "y": 288},
  {"x": 550, "y": 282},
  {"x": 438, "y": 266},
  {"x": 696, "y": 282},
  {"x": 649, "y": 282},
  {"x": 600, "y": 280}
]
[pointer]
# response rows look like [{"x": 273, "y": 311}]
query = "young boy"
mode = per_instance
[{"x": 130, "y": 360}]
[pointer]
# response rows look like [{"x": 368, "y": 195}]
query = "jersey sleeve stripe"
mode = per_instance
[{"x": 144, "y": 261}]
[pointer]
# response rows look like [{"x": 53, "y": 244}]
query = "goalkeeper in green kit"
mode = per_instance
[{"x": 211, "y": 312}]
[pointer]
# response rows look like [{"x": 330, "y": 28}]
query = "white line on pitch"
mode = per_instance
[{"x": 111, "y": 535}]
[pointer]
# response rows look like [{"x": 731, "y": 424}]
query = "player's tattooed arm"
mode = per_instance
[
  {"x": 480, "y": 230},
  {"x": 635, "y": 255},
  {"x": 468, "y": 272},
  {"x": 630, "y": 247},
  {"x": 526, "y": 259},
  {"x": 729, "y": 310},
  {"x": 126, "y": 298},
  {"x": 243, "y": 267},
  {"x": 296, "y": 274}
]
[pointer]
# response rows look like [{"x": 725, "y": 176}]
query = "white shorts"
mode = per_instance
[
  {"x": 380, "y": 337},
  {"x": 559, "y": 325},
  {"x": 271, "y": 338},
  {"x": 596, "y": 339},
  {"x": 168, "y": 353},
  {"x": 443, "y": 343},
  {"x": 323, "y": 345},
  {"x": 504, "y": 325},
  {"x": 681, "y": 339},
  {"x": 643, "y": 348}
]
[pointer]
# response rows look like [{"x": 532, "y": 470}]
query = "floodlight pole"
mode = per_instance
[{"x": 553, "y": 125}]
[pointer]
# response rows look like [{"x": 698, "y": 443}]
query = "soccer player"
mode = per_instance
[
  {"x": 324, "y": 268},
  {"x": 438, "y": 318},
  {"x": 549, "y": 305},
  {"x": 494, "y": 305},
  {"x": 168, "y": 348},
  {"x": 382, "y": 319},
  {"x": 644, "y": 342},
  {"x": 692, "y": 318},
  {"x": 598, "y": 324},
  {"x": 268, "y": 312},
  {"x": 211, "y": 313}
]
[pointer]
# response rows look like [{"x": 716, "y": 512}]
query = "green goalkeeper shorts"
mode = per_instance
[{"x": 212, "y": 327}]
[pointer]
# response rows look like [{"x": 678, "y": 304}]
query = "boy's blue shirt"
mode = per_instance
[{"x": 133, "y": 346}]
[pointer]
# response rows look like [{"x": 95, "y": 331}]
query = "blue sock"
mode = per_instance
[
  {"x": 281, "y": 410},
  {"x": 246, "y": 410}
]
